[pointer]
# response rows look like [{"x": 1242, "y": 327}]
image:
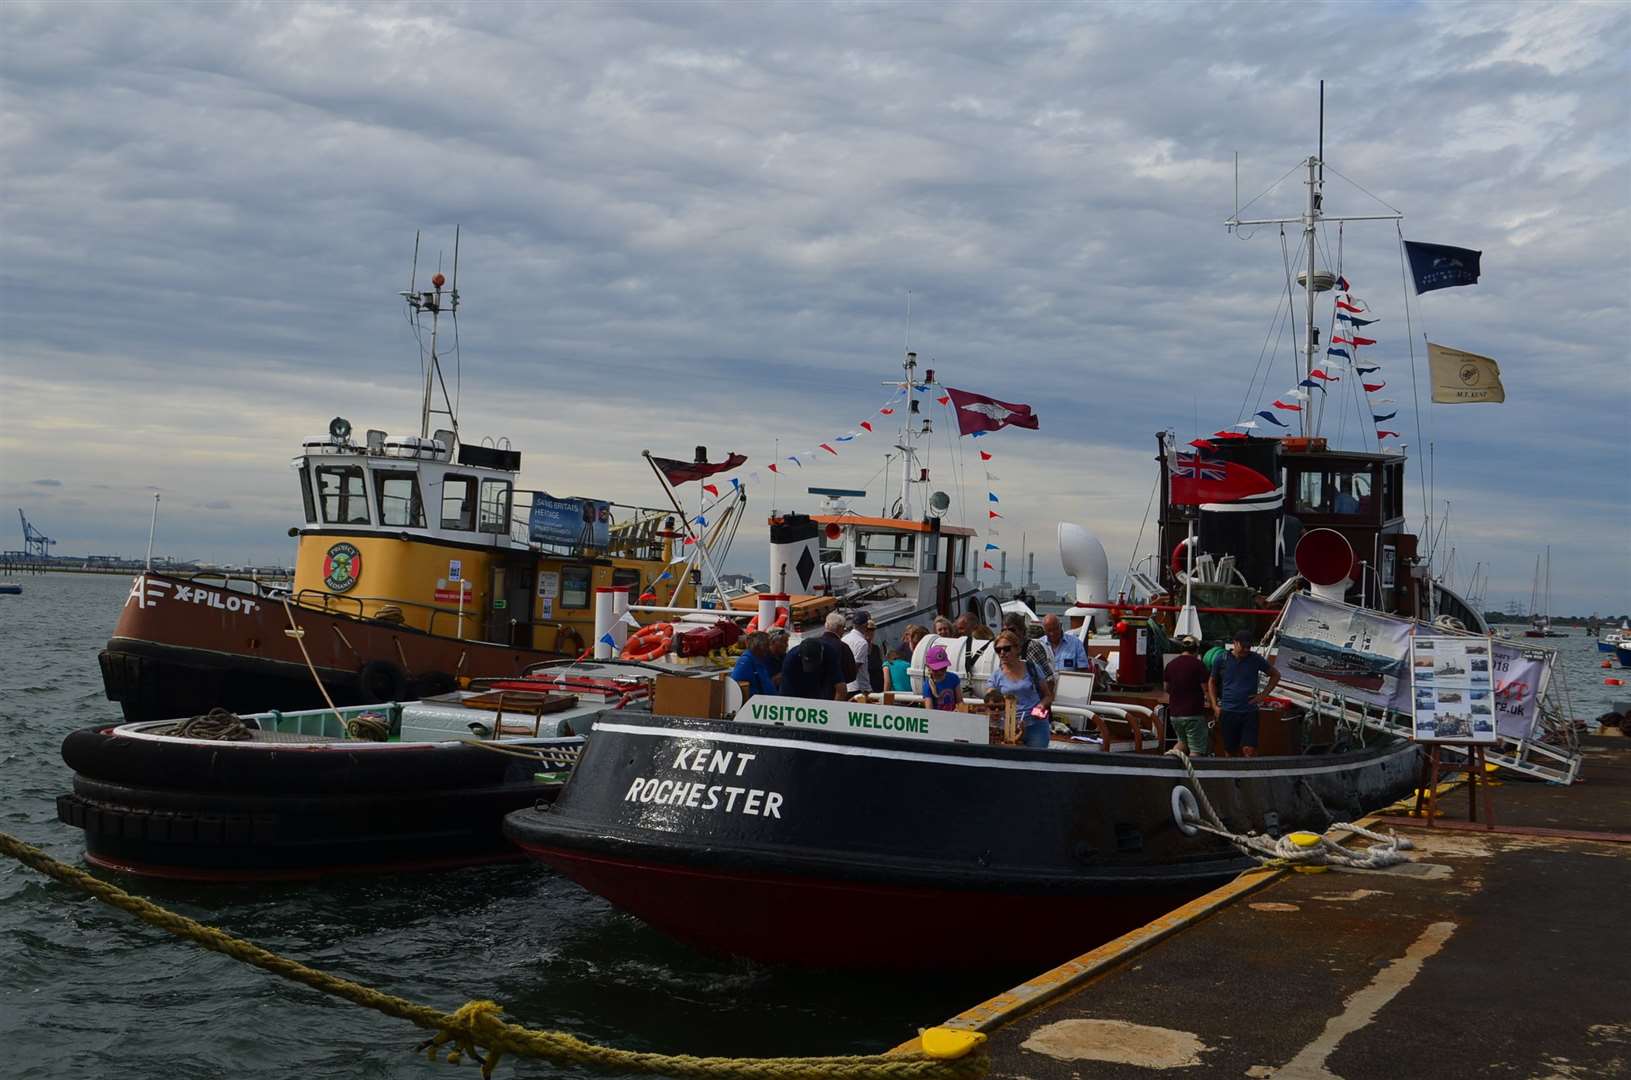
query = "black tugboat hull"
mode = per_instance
[
  {"x": 214, "y": 811},
  {"x": 820, "y": 849}
]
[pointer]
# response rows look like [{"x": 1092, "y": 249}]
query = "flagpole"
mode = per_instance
[{"x": 702, "y": 548}]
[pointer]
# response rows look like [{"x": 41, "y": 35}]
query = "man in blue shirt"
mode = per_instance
[
  {"x": 814, "y": 669},
  {"x": 752, "y": 668},
  {"x": 1234, "y": 681},
  {"x": 1068, "y": 652}
]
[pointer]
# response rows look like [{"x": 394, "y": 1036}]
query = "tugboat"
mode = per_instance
[
  {"x": 419, "y": 563},
  {"x": 386, "y": 787}
]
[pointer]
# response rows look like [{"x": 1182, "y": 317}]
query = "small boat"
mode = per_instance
[
  {"x": 392, "y": 786},
  {"x": 1540, "y": 601},
  {"x": 835, "y": 835},
  {"x": 1622, "y": 652},
  {"x": 1613, "y": 638},
  {"x": 10, "y": 588}
]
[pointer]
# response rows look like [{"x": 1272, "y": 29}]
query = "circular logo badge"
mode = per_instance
[
  {"x": 342, "y": 567},
  {"x": 1469, "y": 374}
]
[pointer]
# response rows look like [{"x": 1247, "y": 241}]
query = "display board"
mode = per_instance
[
  {"x": 569, "y": 522},
  {"x": 1454, "y": 688},
  {"x": 1331, "y": 647}
]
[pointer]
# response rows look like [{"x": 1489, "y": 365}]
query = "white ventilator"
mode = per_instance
[{"x": 1082, "y": 555}]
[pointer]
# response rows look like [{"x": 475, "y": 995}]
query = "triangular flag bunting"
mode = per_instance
[
  {"x": 944, "y": 399},
  {"x": 1249, "y": 424},
  {"x": 984, "y": 456},
  {"x": 992, "y": 514},
  {"x": 1381, "y": 418},
  {"x": 827, "y": 448},
  {"x": 1365, "y": 370},
  {"x": 992, "y": 547},
  {"x": 867, "y": 424},
  {"x": 1231, "y": 434},
  {"x": 978, "y": 434},
  {"x": 1271, "y": 418},
  {"x": 1343, "y": 305},
  {"x": 607, "y": 639},
  {"x": 1202, "y": 444},
  {"x": 713, "y": 489},
  {"x": 991, "y": 496},
  {"x": 1372, "y": 387},
  {"x": 1318, "y": 374},
  {"x": 886, "y": 411},
  {"x": 1338, "y": 352},
  {"x": 984, "y": 566},
  {"x": 1278, "y": 404},
  {"x": 1380, "y": 434}
]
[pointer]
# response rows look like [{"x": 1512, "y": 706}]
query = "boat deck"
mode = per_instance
[{"x": 1501, "y": 952}]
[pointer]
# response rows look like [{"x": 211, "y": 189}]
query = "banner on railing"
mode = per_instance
[
  {"x": 1363, "y": 656},
  {"x": 575, "y": 522}
]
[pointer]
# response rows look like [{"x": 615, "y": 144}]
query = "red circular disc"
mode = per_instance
[{"x": 1325, "y": 557}]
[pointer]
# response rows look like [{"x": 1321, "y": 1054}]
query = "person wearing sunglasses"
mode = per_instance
[{"x": 1031, "y": 690}]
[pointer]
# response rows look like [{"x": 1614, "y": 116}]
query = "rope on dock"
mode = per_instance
[
  {"x": 477, "y": 1026},
  {"x": 1299, "y": 848}
]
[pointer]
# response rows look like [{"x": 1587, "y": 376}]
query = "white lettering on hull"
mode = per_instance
[
  {"x": 701, "y": 795},
  {"x": 147, "y": 593}
]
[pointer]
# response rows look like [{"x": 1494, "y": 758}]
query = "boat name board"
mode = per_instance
[
  {"x": 693, "y": 794},
  {"x": 861, "y": 718},
  {"x": 147, "y": 592}
]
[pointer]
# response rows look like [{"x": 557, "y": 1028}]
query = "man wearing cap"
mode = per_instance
[
  {"x": 1186, "y": 680},
  {"x": 941, "y": 685},
  {"x": 1232, "y": 693},
  {"x": 859, "y": 642}
]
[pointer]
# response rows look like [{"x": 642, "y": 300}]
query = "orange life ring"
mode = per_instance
[
  {"x": 1177, "y": 560},
  {"x": 649, "y": 642}
]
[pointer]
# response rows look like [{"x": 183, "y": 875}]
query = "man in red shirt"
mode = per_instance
[{"x": 1186, "y": 679}]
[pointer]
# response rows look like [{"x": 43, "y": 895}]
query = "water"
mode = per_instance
[{"x": 88, "y": 991}]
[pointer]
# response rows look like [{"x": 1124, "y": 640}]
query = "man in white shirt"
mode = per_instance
[{"x": 859, "y": 641}]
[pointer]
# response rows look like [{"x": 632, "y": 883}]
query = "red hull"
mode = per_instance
[{"x": 807, "y": 922}]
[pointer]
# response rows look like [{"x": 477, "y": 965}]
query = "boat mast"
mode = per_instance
[
  {"x": 908, "y": 437},
  {"x": 434, "y": 301}
]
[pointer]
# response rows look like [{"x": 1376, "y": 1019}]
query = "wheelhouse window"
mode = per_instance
[
  {"x": 628, "y": 579},
  {"x": 957, "y": 554},
  {"x": 931, "y": 553},
  {"x": 307, "y": 499},
  {"x": 1347, "y": 494},
  {"x": 495, "y": 507},
  {"x": 888, "y": 550},
  {"x": 342, "y": 493},
  {"x": 575, "y": 586},
  {"x": 830, "y": 548},
  {"x": 459, "y": 503},
  {"x": 398, "y": 495}
]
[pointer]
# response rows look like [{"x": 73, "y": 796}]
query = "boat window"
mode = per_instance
[
  {"x": 831, "y": 548},
  {"x": 398, "y": 495},
  {"x": 341, "y": 491},
  {"x": 1393, "y": 488},
  {"x": 931, "y": 555},
  {"x": 957, "y": 554},
  {"x": 306, "y": 497},
  {"x": 628, "y": 579},
  {"x": 1331, "y": 492},
  {"x": 575, "y": 582},
  {"x": 495, "y": 507},
  {"x": 889, "y": 550},
  {"x": 1311, "y": 492},
  {"x": 458, "y": 503}
]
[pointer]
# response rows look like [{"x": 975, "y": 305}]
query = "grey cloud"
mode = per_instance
[{"x": 47, "y": 483}]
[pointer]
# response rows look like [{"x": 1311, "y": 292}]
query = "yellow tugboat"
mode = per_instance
[{"x": 419, "y": 562}]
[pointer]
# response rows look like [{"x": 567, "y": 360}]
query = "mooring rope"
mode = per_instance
[
  {"x": 1294, "y": 848},
  {"x": 478, "y": 1026},
  {"x": 218, "y": 724}
]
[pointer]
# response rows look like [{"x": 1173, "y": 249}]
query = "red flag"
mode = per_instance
[
  {"x": 944, "y": 399},
  {"x": 712, "y": 489},
  {"x": 984, "y": 456},
  {"x": 679, "y": 472},
  {"x": 976, "y": 412},
  {"x": 1349, "y": 307},
  {"x": 1318, "y": 374},
  {"x": 867, "y": 424},
  {"x": 1197, "y": 478},
  {"x": 1278, "y": 404},
  {"x": 986, "y": 566},
  {"x": 1230, "y": 435},
  {"x": 772, "y": 468},
  {"x": 992, "y": 514},
  {"x": 1202, "y": 444},
  {"x": 887, "y": 411},
  {"x": 1372, "y": 387},
  {"x": 1380, "y": 434},
  {"x": 827, "y": 448}
]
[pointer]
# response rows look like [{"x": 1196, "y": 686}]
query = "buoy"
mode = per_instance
[
  {"x": 1606, "y": 664},
  {"x": 1613, "y": 682}
]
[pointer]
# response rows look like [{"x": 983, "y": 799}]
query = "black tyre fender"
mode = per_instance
[
  {"x": 431, "y": 684},
  {"x": 381, "y": 680}
]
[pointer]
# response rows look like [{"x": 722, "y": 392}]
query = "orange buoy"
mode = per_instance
[
  {"x": 1607, "y": 664},
  {"x": 1613, "y": 682}
]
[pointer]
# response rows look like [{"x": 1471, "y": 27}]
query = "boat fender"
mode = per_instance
[
  {"x": 381, "y": 680},
  {"x": 991, "y": 614},
  {"x": 1185, "y": 810}
]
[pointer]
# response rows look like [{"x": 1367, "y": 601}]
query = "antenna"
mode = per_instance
[
  {"x": 456, "y": 256},
  {"x": 413, "y": 274}
]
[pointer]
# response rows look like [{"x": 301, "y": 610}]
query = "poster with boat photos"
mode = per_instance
[{"x": 1454, "y": 688}]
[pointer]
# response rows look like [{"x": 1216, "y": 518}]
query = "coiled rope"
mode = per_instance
[
  {"x": 477, "y": 1026},
  {"x": 1294, "y": 849},
  {"x": 218, "y": 724}
]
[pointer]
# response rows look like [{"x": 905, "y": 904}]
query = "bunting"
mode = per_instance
[
  {"x": 1373, "y": 387},
  {"x": 1382, "y": 418},
  {"x": 1278, "y": 404},
  {"x": 1271, "y": 418}
]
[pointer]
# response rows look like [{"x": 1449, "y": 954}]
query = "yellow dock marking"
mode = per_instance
[{"x": 1360, "y": 1009}]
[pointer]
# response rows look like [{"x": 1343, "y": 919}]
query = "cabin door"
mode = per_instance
[{"x": 944, "y": 579}]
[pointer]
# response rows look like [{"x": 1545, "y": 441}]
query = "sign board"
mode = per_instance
[
  {"x": 569, "y": 522},
  {"x": 549, "y": 584},
  {"x": 453, "y": 592},
  {"x": 1363, "y": 656},
  {"x": 1521, "y": 675},
  {"x": 887, "y": 721},
  {"x": 455, "y": 569},
  {"x": 1454, "y": 688}
]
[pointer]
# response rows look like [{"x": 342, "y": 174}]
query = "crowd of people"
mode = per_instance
[{"x": 846, "y": 662}]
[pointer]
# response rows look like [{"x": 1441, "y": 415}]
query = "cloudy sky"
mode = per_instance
[{"x": 690, "y": 224}]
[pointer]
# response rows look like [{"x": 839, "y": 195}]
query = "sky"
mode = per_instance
[{"x": 697, "y": 224}]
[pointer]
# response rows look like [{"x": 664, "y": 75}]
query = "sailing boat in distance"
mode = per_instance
[{"x": 1540, "y": 601}]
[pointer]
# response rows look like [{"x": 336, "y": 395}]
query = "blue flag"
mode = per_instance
[
  {"x": 1271, "y": 418},
  {"x": 1380, "y": 417},
  {"x": 1366, "y": 370},
  {"x": 1334, "y": 351},
  {"x": 1437, "y": 266},
  {"x": 1314, "y": 383},
  {"x": 607, "y": 639},
  {"x": 1354, "y": 320},
  {"x": 992, "y": 495}
]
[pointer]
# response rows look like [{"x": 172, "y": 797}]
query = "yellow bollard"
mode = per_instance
[{"x": 1307, "y": 840}]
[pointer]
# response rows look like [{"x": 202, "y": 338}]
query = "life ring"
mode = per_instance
[
  {"x": 381, "y": 680},
  {"x": 649, "y": 642},
  {"x": 1177, "y": 560},
  {"x": 991, "y": 614},
  {"x": 568, "y": 641}
]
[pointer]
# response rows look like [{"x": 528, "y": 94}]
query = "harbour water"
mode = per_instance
[{"x": 88, "y": 991}]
